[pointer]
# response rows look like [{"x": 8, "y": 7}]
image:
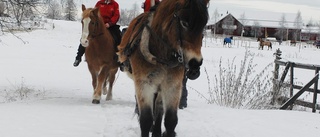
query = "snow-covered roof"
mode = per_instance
[{"x": 251, "y": 22}]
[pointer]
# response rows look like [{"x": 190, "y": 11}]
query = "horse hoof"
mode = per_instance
[
  {"x": 109, "y": 97},
  {"x": 95, "y": 101},
  {"x": 165, "y": 134}
]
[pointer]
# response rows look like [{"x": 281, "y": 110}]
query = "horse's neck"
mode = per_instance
[{"x": 104, "y": 31}]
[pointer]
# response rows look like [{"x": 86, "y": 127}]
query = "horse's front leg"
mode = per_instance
[
  {"x": 145, "y": 94},
  {"x": 171, "y": 99},
  {"x": 157, "y": 114},
  {"x": 101, "y": 79}
]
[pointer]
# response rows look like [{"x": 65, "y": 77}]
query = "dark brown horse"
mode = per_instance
[
  {"x": 100, "y": 52},
  {"x": 156, "y": 49},
  {"x": 264, "y": 43}
]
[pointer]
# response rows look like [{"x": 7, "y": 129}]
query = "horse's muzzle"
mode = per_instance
[
  {"x": 193, "y": 74},
  {"x": 193, "y": 71},
  {"x": 84, "y": 42}
]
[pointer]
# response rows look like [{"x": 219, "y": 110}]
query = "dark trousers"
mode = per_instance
[
  {"x": 80, "y": 52},
  {"x": 116, "y": 34}
]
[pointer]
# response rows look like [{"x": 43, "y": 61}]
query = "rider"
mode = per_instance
[
  {"x": 147, "y": 4},
  {"x": 109, "y": 10}
]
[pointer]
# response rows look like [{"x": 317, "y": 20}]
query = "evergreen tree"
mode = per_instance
[{"x": 70, "y": 10}]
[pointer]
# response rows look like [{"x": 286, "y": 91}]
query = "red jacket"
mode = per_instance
[
  {"x": 109, "y": 11},
  {"x": 147, "y": 4}
]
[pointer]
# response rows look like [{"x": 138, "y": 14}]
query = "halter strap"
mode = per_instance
[
  {"x": 95, "y": 28},
  {"x": 176, "y": 56}
]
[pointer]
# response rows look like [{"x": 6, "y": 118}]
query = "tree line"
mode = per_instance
[{"x": 15, "y": 13}]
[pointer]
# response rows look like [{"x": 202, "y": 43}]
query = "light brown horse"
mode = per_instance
[
  {"x": 100, "y": 53},
  {"x": 264, "y": 43},
  {"x": 156, "y": 49}
]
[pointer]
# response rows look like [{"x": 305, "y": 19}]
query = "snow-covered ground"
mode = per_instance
[{"x": 60, "y": 105}]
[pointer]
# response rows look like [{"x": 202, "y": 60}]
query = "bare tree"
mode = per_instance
[
  {"x": 70, "y": 10},
  {"x": 124, "y": 17},
  {"x": 128, "y": 15},
  {"x": 309, "y": 27},
  {"x": 298, "y": 26},
  {"x": 21, "y": 9},
  {"x": 2, "y": 8},
  {"x": 135, "y": 10},
  {"x": 318, "y": 25},
  {"x": 64, "y": 3},
  {"x": 54, "y": 11},
  {"x": 243, "y": 20},
  {"x": 282, "y": 30},
  {"x": 256, "y": 27},
  {"x": 215, "y": 17}
]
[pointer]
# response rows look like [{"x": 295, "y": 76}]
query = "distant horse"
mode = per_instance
[
  {"x": 156, "y": 49},
  {"x": 100, "y": 53},
  {"x": 264, "y": 43},
  {"x": 227, "y": 41}
]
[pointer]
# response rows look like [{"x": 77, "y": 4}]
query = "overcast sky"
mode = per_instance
[{"x": 253, "y": 9}]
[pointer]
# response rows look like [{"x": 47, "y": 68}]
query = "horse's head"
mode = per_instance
[
  {"x": 259, "y": 39},
  {"x": 182, "y": 25},
  {"x": 192, "y": 16},
  {"x": 90, "y": 25}
]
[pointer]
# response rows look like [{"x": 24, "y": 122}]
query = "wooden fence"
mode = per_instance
[{"x": 288, "y": 102}]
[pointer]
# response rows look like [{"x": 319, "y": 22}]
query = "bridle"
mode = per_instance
[
  {"x": 95, "y": 30},
  {"x": 176, "y": 56}
]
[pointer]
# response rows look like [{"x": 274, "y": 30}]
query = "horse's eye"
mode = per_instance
[{"x": 184, "y": 24}]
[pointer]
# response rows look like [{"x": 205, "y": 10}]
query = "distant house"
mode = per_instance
[
  {"x": 229, "y": 25},
  {"x": 310, "y": 33}
]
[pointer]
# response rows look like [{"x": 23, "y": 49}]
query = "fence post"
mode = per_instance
[
  {"x": 315, "y": 92},
  {"x": 291, "y": 82},
  {"x": 275, "y": 76}
]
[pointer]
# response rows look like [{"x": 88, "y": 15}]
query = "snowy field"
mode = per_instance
[{"x": 59, "y": 102}]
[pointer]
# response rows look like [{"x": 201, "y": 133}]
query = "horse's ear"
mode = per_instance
[
  {"x": 83, "y": 7},
  {"x": 95, "y": 10}
]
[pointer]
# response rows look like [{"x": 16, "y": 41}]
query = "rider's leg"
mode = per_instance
[{"x": 80, "y": 53}]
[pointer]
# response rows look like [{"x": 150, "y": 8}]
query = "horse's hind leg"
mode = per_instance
[
  {"x": 105, "y": 90},
  {"x": 112, "y": 75}
]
